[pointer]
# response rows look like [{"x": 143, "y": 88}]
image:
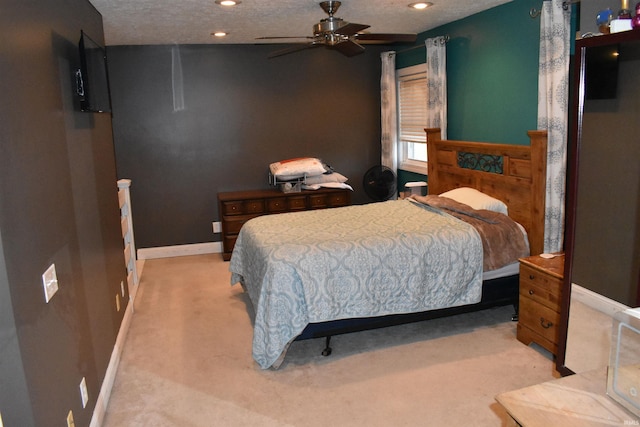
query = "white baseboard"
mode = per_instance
[
  {"x": 180, "y": 250},
  {"x": 102, "y": 402},
  {"x": 596, "y": 301}
]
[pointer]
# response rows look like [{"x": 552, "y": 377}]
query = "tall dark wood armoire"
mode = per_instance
[{"x": 602, "y": 238}]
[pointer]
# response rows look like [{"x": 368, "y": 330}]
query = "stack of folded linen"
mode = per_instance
[{"x": 311, "y": 172}]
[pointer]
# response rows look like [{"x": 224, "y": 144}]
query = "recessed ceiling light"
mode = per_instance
[
  {"x": 219, "y": 34},
  {"x": 228, "y": 2},
  {"x": 421, "y": 5}
]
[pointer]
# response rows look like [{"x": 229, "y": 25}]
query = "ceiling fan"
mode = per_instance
[{"x": 335, "y": 33}]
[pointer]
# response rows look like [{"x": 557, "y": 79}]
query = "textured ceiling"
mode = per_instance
[{"x": 136, "y": 22}]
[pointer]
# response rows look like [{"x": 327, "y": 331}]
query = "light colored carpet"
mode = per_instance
[{"x": 187, "y": 362}]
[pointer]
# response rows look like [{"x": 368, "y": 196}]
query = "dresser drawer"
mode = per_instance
[
  {"x": 540, "y": 287},
  {"x": 235, "y": 207},
  {"x": 240, "y": 207},
  {"x": 277, "y": 205},
  {"x": 337, "y": 200},
  {"x": 318, "y": 201},
  {"x": 229, "y": 242},
  {"x": 254, "y": 206},
  {"x": 233, "y": 224},
  {"x": 540, "y": 319},
  {"x": 297, "y": 203}
]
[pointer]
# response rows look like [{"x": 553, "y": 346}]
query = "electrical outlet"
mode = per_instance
[
  {"x": 117, "y": 302},
  {"x": 217, "y": 228},
  {"x": 70, "y": 422},
  {"x": 50, "y": 282},
  {"x": 84, "y": 393}
]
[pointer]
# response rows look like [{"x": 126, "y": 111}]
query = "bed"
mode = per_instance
[{"x": 322, "y": 273}]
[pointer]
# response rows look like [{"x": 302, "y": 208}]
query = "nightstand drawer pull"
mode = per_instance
[
  {"x": 531, "y": 276},
  {"x": 531, "y": 292},
  {"x": 545, "y": 325}
]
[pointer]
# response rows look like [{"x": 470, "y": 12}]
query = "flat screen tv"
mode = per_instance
[
  {"x": 602, "y": 72},
  {"x": 92, "y": 82}
]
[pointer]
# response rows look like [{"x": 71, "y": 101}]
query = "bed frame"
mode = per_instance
[{"x": 521, "y": 184}]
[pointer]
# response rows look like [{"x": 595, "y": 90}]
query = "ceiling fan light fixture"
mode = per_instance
[
  {"x": 421, "y": 5},
  {"x": 345, "y": 37},
  {"x": 228, "y": 2}
]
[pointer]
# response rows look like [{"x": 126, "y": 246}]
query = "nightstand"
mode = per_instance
[{"x": 540, "y": 297}]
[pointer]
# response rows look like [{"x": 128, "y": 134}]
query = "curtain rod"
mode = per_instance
[
  {"x": 534, "y": 13},
  {"x": 444, "y": 39}
]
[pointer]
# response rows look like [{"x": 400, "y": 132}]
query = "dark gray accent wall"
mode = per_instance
[
  {"x": 241, "y": 112},
  {"x": 58, "y": 204}
]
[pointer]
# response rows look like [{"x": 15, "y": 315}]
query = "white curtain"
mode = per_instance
[
  {"x": 388, "y": 114},
  {"x": 437, "y": 84},
  {"x": 553, "y": 104}
]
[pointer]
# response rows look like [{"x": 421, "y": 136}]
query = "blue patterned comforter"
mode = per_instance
[{"x": 358, "y": 261}]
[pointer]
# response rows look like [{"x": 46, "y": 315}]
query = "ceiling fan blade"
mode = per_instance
[
  {"x": 350, "y": 29},
  {"x": 348, "y": 48},
  {"x": 292, "y": 49},
  {"x": 385, "y": 38},
  {"x": 283, "y": 37}
]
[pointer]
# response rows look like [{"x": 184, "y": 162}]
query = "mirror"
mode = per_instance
[{"x": 602, "y": 239}]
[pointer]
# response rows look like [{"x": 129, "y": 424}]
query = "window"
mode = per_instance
[{"x": 412, "y": 118}]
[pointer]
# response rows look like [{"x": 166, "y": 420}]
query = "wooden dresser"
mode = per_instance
[
  {"x": 237, "y": 207},
  {"x": 540, "y": 298}
]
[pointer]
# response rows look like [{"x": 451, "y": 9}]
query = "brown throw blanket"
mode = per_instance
[{"x": 502, "y": 239}]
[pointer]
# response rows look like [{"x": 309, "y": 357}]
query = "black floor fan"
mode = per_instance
[{"x": 380, "y": 183}]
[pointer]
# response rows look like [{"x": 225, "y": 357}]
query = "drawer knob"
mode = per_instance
[
  {"x": 531, "y": 276},
  {"x": 531, "y": 292},
  {"x": 546, "y": 325}
]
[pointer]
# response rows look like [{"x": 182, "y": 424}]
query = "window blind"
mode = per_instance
[{"x": 412, "y": 111}]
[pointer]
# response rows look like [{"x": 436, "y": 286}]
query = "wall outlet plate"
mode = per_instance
[
  {"x": 217, "y": 227},
  {"x": 50, "y": 282},
  {"x": 84, "y": 393}
]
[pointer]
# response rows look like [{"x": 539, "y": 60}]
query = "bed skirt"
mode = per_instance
[{"x": 495, "y": 293}]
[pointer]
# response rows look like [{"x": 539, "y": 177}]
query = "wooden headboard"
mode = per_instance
[{"x": 521, "y": 183}]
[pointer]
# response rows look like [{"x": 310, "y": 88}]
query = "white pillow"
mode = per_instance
[
  {"x": 476, "y": 199},
  {"x": 296, "y": 168},
  {"x": 326, "y": 177}
]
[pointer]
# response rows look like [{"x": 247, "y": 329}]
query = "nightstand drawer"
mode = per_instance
[
  {"x": 540, "y": 319},
  {"x": 540, "y": 287}
]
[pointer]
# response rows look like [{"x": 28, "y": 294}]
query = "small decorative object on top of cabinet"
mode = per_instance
[
  {"x": 541, "y": 279},
  {"x": 635, "y": 22},
  {"x": 238, "y": 207}
]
